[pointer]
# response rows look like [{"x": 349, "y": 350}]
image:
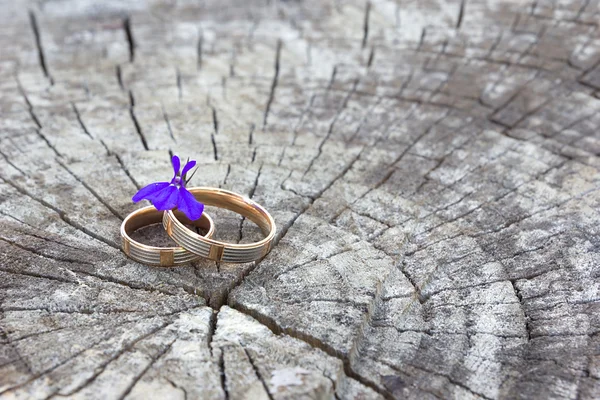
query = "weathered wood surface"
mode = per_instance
[{"x": 432, "y": 166}]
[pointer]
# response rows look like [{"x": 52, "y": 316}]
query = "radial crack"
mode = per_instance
[
  {"x": 12, "y": 164},
  {"x": 258, "y": 374},
  {"x": 40, "y": 48},
  {"x": 251, "y": 134},
  {"x": 366, "y": 24},
  {"x": 61, "y": 214},
  {"x": 122, "y": 165},
  {"x": 34, "y": 117},
  {"x": 250, "y": 195},
  {"x": 215, "y": 120},
  {"x": 127, "y": 347},
  {"x": 129, "y": 37},
  {"x": 179, "y": 86},
  {"x": 273, "y": 83},
  {"x": 223, "y": 375},
  {"x": 212, "y": 327},
  {"x": 119, "y": 74},
  {"x": 136, "y": 124},
  {"x": 154, "y": 359},
  {"x": 331, "y": 126},
  {"x": 81, "y": 124},
  {"x": 44, "y": 255},
  {"x": 92, "y": 191},
  {"x": 214, "y": 145},
  {"x": 313, "y": 342},
  {"x": 168, "y": 122},
  {"x": 461, "y": 13}
]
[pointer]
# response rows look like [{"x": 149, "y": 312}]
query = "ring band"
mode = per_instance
[
  {"x": 158, "y": 256},
  {"x": 220, "y": 251}
]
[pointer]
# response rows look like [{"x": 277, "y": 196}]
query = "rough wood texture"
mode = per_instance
[{"x": 432, "y": 166}]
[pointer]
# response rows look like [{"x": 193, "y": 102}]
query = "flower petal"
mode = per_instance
[
  {"x": 188, "y": 205},
  {"x": 176, "y": 165},
  {"x": 149, "y": 192},
  {"x": 166, "y": 199},
  {"x": 188, "y": 166}
]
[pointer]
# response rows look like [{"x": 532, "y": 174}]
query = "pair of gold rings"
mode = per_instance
[{"x": 193, "y": 245}]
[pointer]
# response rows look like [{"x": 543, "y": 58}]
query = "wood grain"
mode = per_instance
[{"x": 432, "y": 167}]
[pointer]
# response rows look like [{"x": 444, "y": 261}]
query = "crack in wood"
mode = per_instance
[
  {"x": 122, "y": 165},
  {"x": 226, "y": 176},
  {"x": 363, "y": 119},
  {"x": 34, "y": 235},
  {"x": 258, "y": 374},
  {"x": 421, "y": 39},
  {"x": 298, "y": 125},
  {"x": 522, "y": 307},
  {"x": 6, "y": 341},
  {"x": 251, "y": 134},
  {"x": 450, "y": 379},
  {"x": 166, "y": 118},
  {"x": 92, "y": 191},
  {"x": 331, "y": 125},
  {"x": 311, "y": 341},
  {"x": 391, "y": 166},
  {"x": 371, "y": 57},
  {"x": 214, "y": 146},
  {"x": 497, "y": 79},
  {"x": 129, "y": 38},
  {"x": 491, "y": 201},
  {"x": 39, "y": 253},
  {"x": 134, "y": 119},
  {"x": 103, "y": 278},
  {"x": 12, "y": 164},
  {"x": 34, "y": 117},
  {"x": 37, "y": 275},
  {"x": 119, "y": 74},
  {"x": 250, "y": 195},
  {"x": 212, "y": 327},
  {"x": 366, "y": 25},
  {"x": 313, "y": 259},
  {"x": 461, "y": 13},
  {"x": 178, "y": 82},
  {"x": 61, "y": 214},
  {"x": 175, "y": 386},
  {"x": 40, "y": 48},
  {"x": 127, "y": 347},
  {"x": 223, "y": 375},
  {"x": 273, "y": 83},
  {"x": 332, "y": 79},
  {"x": 154, "y": 359},
  {"x": 80, "y": 121},
  {"x": 215, "y": 120},
  {"x": 312, "y": 199},
  {"x": 94, "y": 343},
  {"x": 47, "y": 141},
  {"x": 286, "y": 227}
]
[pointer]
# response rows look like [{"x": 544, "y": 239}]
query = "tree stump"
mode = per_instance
[{"x": 432, "y": 167}]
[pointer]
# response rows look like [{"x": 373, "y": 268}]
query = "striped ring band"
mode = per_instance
[
  {"x": 158, "y": 256},
  {"x": 214, "y": 249}
]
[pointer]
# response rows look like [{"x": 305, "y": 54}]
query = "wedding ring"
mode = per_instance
[
  {"x": 158, "y": 256},
  {"x": 220, "y": 251}
]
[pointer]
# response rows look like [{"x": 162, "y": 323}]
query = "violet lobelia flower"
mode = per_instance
[{"x": 168, "y": 195}]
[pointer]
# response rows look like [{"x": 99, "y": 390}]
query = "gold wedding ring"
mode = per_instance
[
  {"x": 159, "y": 256},
  {"x": 215, "y": 250}
]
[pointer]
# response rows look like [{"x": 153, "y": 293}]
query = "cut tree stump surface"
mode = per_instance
[{"x": 432, "y": 167}]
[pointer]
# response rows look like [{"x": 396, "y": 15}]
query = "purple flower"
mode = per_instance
[{"x": 168, "y": 195}]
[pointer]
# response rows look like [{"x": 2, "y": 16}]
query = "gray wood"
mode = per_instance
[{"x": 432, "y": 167}]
